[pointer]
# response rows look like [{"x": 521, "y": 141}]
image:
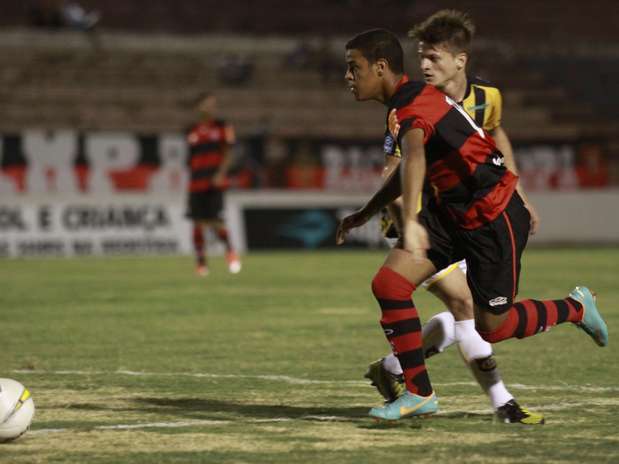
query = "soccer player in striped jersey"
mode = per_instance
[
  {"x": 210, "y": 142},
  {"x": 475, "y": 214},
  {"x": 444, "y": 47}
]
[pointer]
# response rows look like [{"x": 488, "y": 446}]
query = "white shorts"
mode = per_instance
[{"x": 440, "y": 274}]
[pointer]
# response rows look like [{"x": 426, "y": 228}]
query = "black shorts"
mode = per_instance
[
  {"x": 205, "y": 206},
  {"x": 492, "y": 252}
]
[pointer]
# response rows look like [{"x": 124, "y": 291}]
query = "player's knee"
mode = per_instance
[
  {"x": 379, "y": 282},
  {"x": 488, "y": 336},
  {"x": 390, "y": 285},
  {"x": 489, "y": 327}
]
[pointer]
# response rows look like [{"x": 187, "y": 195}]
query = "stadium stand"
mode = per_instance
[{"x": 145, "y": 83}]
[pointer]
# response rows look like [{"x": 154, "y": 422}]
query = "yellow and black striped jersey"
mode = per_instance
[{"x": 483, "y": 102}]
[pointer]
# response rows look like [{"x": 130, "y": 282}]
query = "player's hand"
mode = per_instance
[
  {"x": 394, "y": 125},
  {"x": 219, "y": 179},
  {"x": 356, "y": 219},
  {"x": 415, "y": 239},
  {"x": 535, "y": 219}
]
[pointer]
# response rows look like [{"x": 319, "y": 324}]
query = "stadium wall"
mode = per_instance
[
  {"x": 65, "y": 193},
  {"x": 308, "y": 219},
  {"x": 102, "y": 225}
]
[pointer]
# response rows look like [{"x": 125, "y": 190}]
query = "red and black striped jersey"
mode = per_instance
[
  {"x": 207, "y": 141},
  {"x": 463, "y": 164}
]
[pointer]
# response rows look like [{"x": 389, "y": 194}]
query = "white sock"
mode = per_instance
[
  {"x": 392, "y": 365},
  {"x": 477, "y": 353},
  {"x": 437, "y": 333}
]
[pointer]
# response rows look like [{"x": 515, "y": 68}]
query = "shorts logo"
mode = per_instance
[
  {"x": 498, "y": 301},
  {"x": 389, "y": 332}
]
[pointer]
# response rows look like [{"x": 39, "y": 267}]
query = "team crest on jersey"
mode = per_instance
[
  {"x": 498, "y": 160},
  {"x": 389, "y": 145}
]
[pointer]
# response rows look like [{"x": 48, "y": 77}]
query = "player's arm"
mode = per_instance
[
  {"x": 504, "y": 145},
  {"x": 226, "y": 152},
  {"x": 391, "y": 163},
  {"x": 395, "y": 207},
  {"x": 413, "y": 171},
  {"x": 390, "y": 190}
]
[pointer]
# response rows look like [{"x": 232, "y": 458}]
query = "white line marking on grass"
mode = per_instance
[
  {"x": 602, "y": 402},
  {"x": 194, "y": 423},
  {"x": 301, "y": 381},
  {"x": 277, "y": 378}
]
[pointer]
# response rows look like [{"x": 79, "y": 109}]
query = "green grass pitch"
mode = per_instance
[{"x": 136, "y": 360}]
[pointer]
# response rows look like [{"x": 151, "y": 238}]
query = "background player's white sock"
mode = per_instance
[
  {"x": 477, "y": 354},
  {"x": 438, "y": 333}
]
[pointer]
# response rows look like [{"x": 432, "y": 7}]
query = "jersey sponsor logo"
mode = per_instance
[
  {"x": 498, "y": 301},
  {"x": 478, "y": 107}
]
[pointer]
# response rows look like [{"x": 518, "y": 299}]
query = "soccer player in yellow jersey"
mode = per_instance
[{"x": 444, "y": 43}]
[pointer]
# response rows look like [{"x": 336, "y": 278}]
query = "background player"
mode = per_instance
[
  {"x": 444, "y": 47},
  {"x": 476, "y": 214},
  {"x": 210, "y": 156}
]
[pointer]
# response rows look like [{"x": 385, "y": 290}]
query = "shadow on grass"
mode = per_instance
[{"x": 201, "y": 408}]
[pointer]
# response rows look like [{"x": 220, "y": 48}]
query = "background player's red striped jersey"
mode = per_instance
[
  {"x": 207, "y": 142},
  {"x": 463, "y": 163}
]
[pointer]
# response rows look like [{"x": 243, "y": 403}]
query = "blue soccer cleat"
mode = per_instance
[
  {"x": 592, "y": 323},
  {"x": 407, "y": 405}
]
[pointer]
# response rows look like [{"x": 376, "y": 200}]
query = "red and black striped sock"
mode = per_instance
[
  {"x": 402, "y": 327},
  {"x": 198, "y": 244},
  {"x": 528, "y": 317}
]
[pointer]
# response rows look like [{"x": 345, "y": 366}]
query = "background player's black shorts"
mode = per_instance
[
  {"x": 204, "y": 206},
  {"x": 492, "y": 252}
]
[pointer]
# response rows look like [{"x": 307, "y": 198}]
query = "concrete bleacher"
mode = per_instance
[
  {"x": 522, "y": 20},
  {"x": 147, "y": 83}
]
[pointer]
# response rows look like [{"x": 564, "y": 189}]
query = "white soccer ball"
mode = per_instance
[{"x": 16, "y": 409}]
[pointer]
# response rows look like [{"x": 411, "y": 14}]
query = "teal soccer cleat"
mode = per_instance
[
  {"x": 592, "y": 322},
  {"x": 407, "y": 405}
]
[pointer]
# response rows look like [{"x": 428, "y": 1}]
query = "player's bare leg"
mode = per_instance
[
  {"x": 199, "y": 247},
  {"x": 234, "y": 263}
]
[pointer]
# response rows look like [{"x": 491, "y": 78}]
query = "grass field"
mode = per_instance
[{"x": 136, "y": 360}]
